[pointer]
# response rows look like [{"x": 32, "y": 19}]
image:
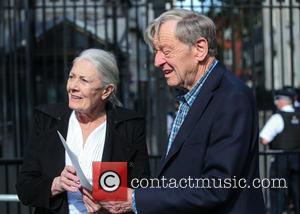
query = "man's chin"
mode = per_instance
[{"x": 172, "y": 83}]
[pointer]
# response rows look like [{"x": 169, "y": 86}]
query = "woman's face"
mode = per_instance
[{"x": 84, "y": 87}]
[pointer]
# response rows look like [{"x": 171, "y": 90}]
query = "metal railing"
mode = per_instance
[
  {"x": 9, "y": 198},
  {"x": 9, "y": 202}
]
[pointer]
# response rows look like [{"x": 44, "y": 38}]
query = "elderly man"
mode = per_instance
[{"x": 215, "y": 132}]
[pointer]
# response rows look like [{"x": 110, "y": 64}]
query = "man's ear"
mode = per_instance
[
  {"x": 201, "y": 48},
  {"x": 107, "y": 91}
]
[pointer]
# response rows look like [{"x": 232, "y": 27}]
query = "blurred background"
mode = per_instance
[{"x": 258, "y": 40}]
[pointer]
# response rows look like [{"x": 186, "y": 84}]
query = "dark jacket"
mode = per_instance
[
  {"x": 45, "y": 155},
  {"x": 218, "y": 139}
]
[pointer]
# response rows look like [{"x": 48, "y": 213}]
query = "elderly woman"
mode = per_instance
[{"x": 95, "y": 127}]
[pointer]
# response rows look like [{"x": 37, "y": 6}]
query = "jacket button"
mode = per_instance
[{"x": 131, "y": 164}]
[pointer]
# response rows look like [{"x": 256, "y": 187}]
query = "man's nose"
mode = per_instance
[{"x": 159, "y": 59}]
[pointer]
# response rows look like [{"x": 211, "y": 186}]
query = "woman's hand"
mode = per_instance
[
  {"x": 67, "y": 181},
  {"x": 92, "y": 206}
]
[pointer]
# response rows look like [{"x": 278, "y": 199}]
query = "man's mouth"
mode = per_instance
[{"x": 166, "y": 72}]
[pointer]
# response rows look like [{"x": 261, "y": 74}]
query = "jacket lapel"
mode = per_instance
[
  {"x": 115, "y": 117},
  {"x": 63, "y": 123},
  {"x": 107, "y": 150},
  {"x": 195, "y": 113},
  {"x": 62, "y": 127}
]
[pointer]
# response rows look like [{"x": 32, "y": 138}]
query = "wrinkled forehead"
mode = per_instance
[
  {"x": 85, "y": 67},
  {"x": 166, "y": 26},
  {"x": 155, "y": 41},
  {"x": 166, "y": 30}
]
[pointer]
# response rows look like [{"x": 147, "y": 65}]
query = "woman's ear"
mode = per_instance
[
  {"x": 107, "y": 91},
  {"x": 201, "y": 48}
]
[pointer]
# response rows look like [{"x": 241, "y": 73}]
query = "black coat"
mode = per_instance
[{"x": 45, "y": 155}]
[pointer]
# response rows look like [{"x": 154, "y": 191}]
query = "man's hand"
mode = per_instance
[
  {"x": 67, "y": 181},
  {"x": 264, "y": 141},
  {"x": 115, "y": 207}
]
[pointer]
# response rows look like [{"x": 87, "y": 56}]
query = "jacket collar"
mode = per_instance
[
  {"x": 59, "y": 112},
  {"x": 62, "y": 112},
  {"x": 119, "y": 114},
  {"x": 115, "y": 116}
]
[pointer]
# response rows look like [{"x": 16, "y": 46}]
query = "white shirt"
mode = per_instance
[
  {"x": 274, "y": 125},
  {"x": 91, "y": 151}
]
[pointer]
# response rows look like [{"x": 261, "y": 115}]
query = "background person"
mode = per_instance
[
  {"x": 282, "y": 132},
  {"x": 96, "y": 128}
]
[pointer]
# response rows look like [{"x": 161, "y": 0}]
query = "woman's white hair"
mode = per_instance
[
  {"x": 190, "y": 26},
  {"x": 107, "y": 69}
]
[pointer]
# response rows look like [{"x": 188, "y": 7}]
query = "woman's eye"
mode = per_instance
[
  {"x": 84, "y": 80},
  {"x": 70, "y": 76}
]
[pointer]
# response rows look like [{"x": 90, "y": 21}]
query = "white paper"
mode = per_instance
[{"x": 83, "y": 180}]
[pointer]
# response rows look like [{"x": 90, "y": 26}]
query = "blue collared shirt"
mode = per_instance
[{"x": 186, "y": 102}]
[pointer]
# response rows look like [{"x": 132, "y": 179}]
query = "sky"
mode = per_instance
[{"x": 197, "y": 4}]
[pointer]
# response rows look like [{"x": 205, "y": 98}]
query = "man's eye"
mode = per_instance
[
  {"x": 84, "y": 80},
  {"x": 166, "y": 52},
  {"x": 70, "y": 76}
]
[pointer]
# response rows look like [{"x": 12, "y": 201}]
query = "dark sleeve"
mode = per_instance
[
  {"x": 227, "y": 155},
  {"x": 138, "y": 166},
  {"x": 33, "y": 187}
]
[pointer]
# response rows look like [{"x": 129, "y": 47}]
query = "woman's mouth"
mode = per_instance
[{"x": 75, "y": 97}]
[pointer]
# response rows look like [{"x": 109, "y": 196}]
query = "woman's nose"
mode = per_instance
[{"x": 73, "y": 84}]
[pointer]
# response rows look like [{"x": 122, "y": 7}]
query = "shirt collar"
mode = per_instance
[
  {"x": 188, "y": 96},
  {"x": 287, "y": 108}
]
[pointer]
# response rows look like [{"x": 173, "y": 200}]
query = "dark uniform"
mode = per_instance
[{"x": 287, "y": 166}]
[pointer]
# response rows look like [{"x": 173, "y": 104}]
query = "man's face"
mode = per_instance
[
  {"x": 281, "y": 101},
  {"x": 84, "y": 87},
  {"x": 177, "y": 60}
]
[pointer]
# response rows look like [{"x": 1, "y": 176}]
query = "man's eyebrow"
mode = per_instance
[
  {"x": 165, "y": 46},
  {"x": 161, "y": 45}
]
